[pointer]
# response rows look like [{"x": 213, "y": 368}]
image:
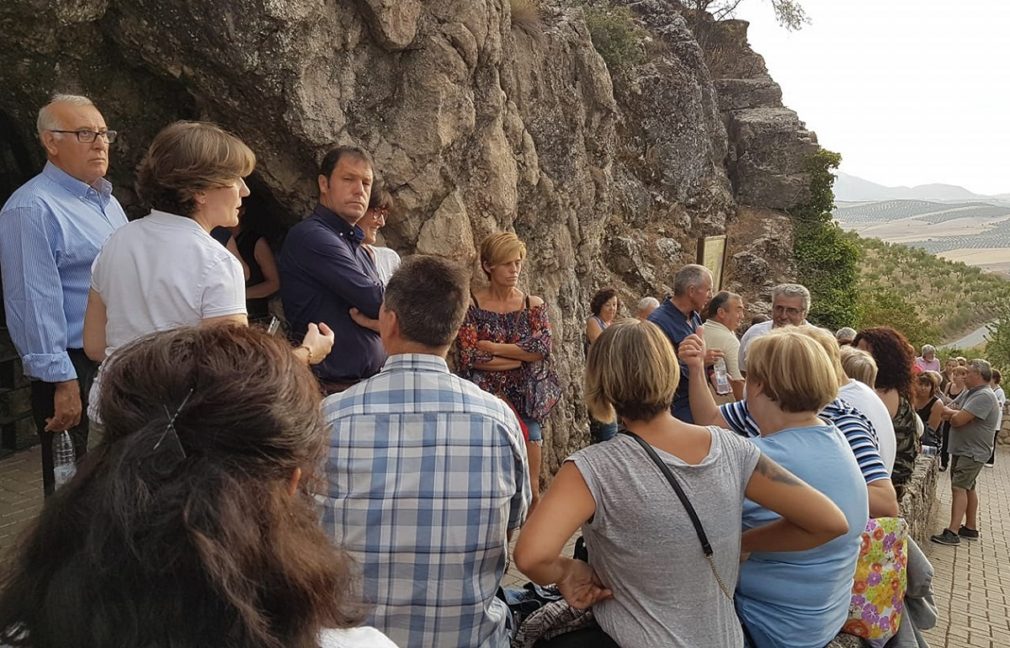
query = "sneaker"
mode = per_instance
[
  {"x": 943, "y": 468},
  {"x": 967, "y": 534},
  {"x": 989, "y": 465},
  {"x": 948, "y": 537}
]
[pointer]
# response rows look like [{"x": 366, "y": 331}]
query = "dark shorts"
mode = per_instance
[{"x": 964, "y": 471}]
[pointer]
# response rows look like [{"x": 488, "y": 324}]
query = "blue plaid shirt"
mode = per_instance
[{"x": 425, "y": 474}]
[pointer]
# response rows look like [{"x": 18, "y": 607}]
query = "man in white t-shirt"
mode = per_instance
[{"x": 790, "y": 305}]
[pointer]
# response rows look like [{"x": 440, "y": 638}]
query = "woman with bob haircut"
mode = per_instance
[
  {"x": 504, "y": 345},
  {"x": 604, "y": 307},
  {"x": 192, "y": 524},
  {"x": 165, "y": 270},
  {"x": 643, "y": 590},
  {"x": 895, "y": 358},
  {"x": 799, "y": 599}
]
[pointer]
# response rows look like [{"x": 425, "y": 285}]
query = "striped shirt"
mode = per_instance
[
  {"x": 51, "y": 230},
  {"x": 856, "y": 428},
  {"x": 425, "y": 475}
]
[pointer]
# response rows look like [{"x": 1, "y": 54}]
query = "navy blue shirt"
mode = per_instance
[
  {"x": 325, "y": 272},
  {"x": 677, "y": 326}
]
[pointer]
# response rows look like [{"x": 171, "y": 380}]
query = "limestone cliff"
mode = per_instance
[{"x": 476, "y": 126}]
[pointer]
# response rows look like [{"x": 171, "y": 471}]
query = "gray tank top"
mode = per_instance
[{"x": 644, "y": 548}]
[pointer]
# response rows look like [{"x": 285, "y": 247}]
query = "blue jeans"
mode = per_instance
[{"x": 535, "y": 430}]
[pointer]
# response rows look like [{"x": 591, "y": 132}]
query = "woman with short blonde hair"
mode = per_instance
[
  {"x": 504, "y": 345},
  {"x": 859, "y": 365},
  {"x": 628, "y": 509}
]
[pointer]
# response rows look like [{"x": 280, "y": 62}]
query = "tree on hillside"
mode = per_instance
[
  {"x": 885, "y": 307},
  {"x": 997, "y": 350},
  {"x": 788, "y": 13}
]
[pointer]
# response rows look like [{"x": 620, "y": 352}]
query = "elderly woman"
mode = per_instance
[
  {"x": 603, "y": 306},
  {"x": 642, "y": 592},
  {"x": 164, "y": 270},
  {"x": 895, "y": 357},
  {"x": 928, "y": 360},
  {"x": 857, "y": 429},
  {"x": 504, "y": 344},
  {"x": 191, "y": 524},
  {"x": 799, "y": 599}
]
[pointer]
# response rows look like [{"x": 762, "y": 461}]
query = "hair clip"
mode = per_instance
[{"x": 170, "y": 437}]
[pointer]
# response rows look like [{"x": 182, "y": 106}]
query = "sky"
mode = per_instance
[{"x": 908, "y": 91}]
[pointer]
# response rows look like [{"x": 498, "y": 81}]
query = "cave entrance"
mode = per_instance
[{"x": 17, "y": 165}]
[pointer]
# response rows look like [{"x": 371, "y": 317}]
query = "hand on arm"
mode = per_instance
[
  {"x": 809, "y": 518},
  {"x": 566, "y": 506},
  {"x": 508, "y": 351},
  {"x": 704, "y": 409},
  {"x": 361, "y": 320}
]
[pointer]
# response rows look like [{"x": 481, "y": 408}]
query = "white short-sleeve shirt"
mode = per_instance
[
  {"x": 386, "y": 262},
  {"x": 869, "y": 404},
  {"x": 161, "y": 272}
]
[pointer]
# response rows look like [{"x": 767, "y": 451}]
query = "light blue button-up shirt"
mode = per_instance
[{"x": 51, "y": 230}]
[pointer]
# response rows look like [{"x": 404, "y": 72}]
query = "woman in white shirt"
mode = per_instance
[
  {"x": 192, "y": 524},
  {"x": 386, "y": 259},
  {"x": 165, "y": 270}
]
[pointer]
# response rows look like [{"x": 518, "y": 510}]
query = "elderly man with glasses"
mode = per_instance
[
  {"x": 790, "y": 305},
  {"x": 51, "y": 230}
]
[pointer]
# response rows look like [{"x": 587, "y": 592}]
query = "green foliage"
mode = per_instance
[
  {"x": 887, "y": 307},
  {"x": 952, "y": 297},
  {"x": 826, "y": 260},
  {"x": 616, "y": 34},
  {"x": 997, "y": 351}
]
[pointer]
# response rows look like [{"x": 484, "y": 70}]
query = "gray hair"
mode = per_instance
[
  {"x": 646, "y": 302},
  {"x": 688, "y": 277},
  {"x": 792, "y": 290},
  {"x": 846, "y": 333},
  {"x": 47, "y": 121},
  {"x": 928, "y": 348},
  {"x": 983, "y": 368}
]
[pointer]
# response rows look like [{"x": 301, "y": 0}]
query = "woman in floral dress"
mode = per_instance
[{"x": 504, "y": 344}]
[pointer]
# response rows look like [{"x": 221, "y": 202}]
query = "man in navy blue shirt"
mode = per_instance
[
  {"x": 325, "y": 271},
  {"x": 678, "y": 317}
]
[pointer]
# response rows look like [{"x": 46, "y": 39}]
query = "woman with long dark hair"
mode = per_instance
[
  {"x": 894, "y": 357},
  {"x": 191, "y": 524}
]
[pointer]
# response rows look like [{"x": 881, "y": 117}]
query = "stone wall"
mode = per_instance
[
  {"x": 476, "y": 125},
  {"x": 919, "y": 499}
]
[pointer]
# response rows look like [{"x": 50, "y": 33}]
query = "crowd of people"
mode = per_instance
[{"x": 347, "y": 488}]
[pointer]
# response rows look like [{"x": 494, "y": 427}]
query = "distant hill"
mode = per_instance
[{"x": 849, "y": 188}]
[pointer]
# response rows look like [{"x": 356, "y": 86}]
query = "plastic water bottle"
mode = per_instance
[
  {"x": 722, "y": 386},
  {"x": 64, "y": 465}
]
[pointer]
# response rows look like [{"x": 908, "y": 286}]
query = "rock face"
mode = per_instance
[{"x": 475, "y": 124}]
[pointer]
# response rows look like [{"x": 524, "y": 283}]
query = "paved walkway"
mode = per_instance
[{"x": 974, "y": 607}]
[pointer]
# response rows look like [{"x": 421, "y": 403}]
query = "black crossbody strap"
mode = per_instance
[{"x": 670, "y": 477}]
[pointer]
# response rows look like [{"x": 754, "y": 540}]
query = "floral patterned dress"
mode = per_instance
[{"x": 523, "y": 387}]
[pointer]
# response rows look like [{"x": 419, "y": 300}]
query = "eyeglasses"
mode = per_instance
[
  {"x": 791, "y": 312},
  {"x": 85, "y": 136}
]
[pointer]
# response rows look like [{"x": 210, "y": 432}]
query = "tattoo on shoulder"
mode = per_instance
[{"x": 776, "y": 473}]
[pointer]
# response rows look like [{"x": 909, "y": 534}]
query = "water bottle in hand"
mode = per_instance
[
  {"x": 722, "y": 386},
  {"x": 64, "y": 465}
]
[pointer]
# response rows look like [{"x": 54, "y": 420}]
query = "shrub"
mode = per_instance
[
  {"x": 616, "y": 35},
  {"x": 526, "y": 17}
]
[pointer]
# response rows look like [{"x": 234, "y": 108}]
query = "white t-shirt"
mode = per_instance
[
  {"x": 386, "y": 262},
  {"x": 752, "y": 334},
  {"x": 363, "y": 637},
  {"x": 161, "y": 272},
  {"x": 869, "y": 404}
]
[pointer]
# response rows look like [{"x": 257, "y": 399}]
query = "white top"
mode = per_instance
[
  {"x": 1001, "y": 399},
  {"x": 364, "y": 637},
  {"x": 752, "y": 334},
  {"x": 386, "y": 262},
  {"x": 869, "y": 404},
  {"x": 161, "y": 272}
]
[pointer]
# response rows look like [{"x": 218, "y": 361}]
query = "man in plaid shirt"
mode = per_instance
[{"x": 426, "y": 474}]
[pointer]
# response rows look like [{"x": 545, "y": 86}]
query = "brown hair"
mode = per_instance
[
  {"x": 180, "y": 529},
  {"x": 187, "y": 157},
  {"x": 894, "y": 355},
  {"x": 602, "y": 296},
  {"x": 430, "y": 296},
  {"x": 631, "y": 369}
]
